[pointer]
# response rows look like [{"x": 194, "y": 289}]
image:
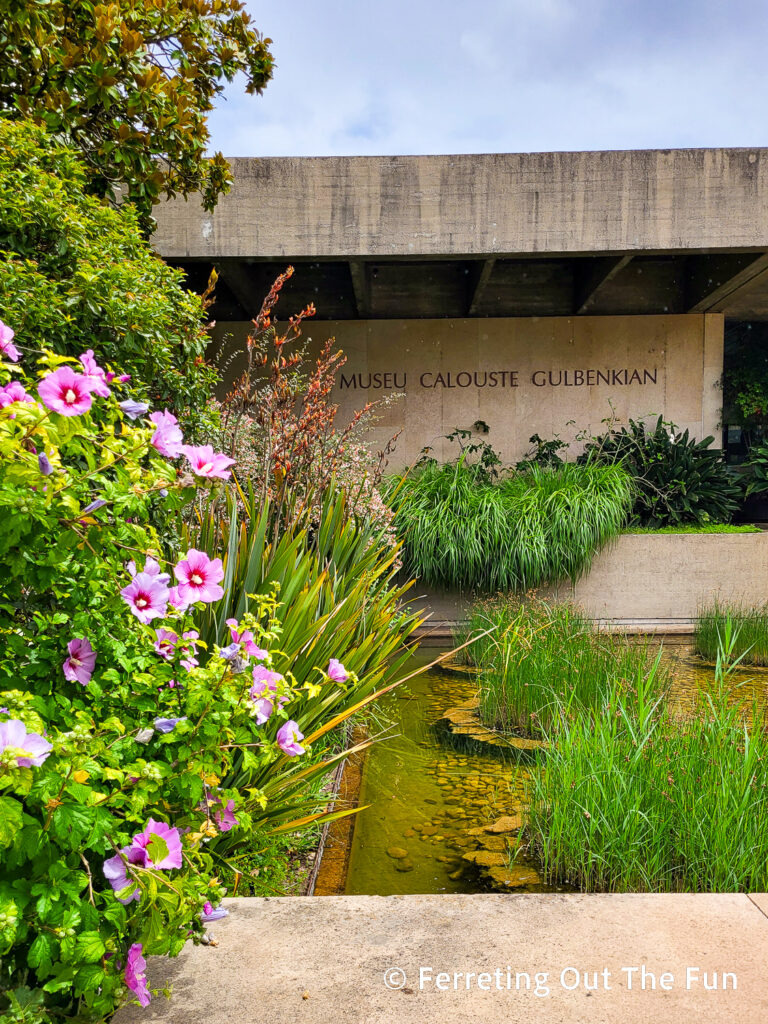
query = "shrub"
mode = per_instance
[
  {"x": 280, "y": 425},
  {"x": 117, "y": 749},
  {"x": 530, "y": 528},
  {"x": 76, "y": 274},
  {"x": 543, "y": 661},
  {"x": 677, "y": 479},
  {"x": 630, "y": 799},
  {"x": 748, "y": 628}
]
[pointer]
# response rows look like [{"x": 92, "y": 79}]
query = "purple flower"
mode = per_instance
[
  {"x": 95, "y": 374},
  {"x": 211, "y": 913},
  {"x": 135, "y": 974},
  {"x": 151, "y": 568},
  {"x": 6, "y": 343},
  {"x": 179, "y": 603},
  {"x": 168, "y": 438},
  {"x": 134, "y": 409},
  {"x": 66, "y": 392},
  {"x": 116, "y": 872},
  {"x": 205, "y": 462},
  {"x": 166, "y": 725},
  {"x": 246, "y": 640},
  {"x": 199, "y": 577},
  {"x": 13, "y": 392},
  {"x": 288, "y": 737},
  {"x": 165, "y": 644},
  {"x": 146, "y": 596},
  {"x": 30, "y": 748},
  {"x": 336, "y": 671},
  {"x": 263, "y": 691},
  {"x": 44, "y": 464},
  {"x": 98, "y": 503},
  {"x": 225, "y": 818},
  {"x": 81, "y": 661}
]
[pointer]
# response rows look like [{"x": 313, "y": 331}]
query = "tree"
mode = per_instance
[
  {"x": 129, "y": 84},
  {"x": 76, "y": 274}
]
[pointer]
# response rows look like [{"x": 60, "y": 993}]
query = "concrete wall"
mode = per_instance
[
  {"x": 653, "y": 581},
  {"x": 626, "y": 201},
  {"x": 444, "y": 369}
]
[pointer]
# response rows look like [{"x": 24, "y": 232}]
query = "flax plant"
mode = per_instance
[{"x": 750, "y": 626}]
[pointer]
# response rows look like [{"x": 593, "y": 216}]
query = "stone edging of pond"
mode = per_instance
[{"x": 463, "y": 721}]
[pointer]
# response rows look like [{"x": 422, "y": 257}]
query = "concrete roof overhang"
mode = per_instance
[{"x": 548, "y": 234}]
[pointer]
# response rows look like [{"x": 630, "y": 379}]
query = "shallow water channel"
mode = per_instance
[{"x": 430, "y": 797}]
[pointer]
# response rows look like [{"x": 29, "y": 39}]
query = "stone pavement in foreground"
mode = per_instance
[{"x": 323, "y": 959}]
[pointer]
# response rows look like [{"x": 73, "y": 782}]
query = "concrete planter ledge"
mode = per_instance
[
  {"x": 321, "y": 959},
  {"x": 644, "y": 582}
]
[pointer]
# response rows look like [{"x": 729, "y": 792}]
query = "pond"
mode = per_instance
[{"x": 432, "y": 803}]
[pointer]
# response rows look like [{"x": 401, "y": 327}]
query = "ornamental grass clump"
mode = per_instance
[
  {"x": 632, "y": 799},
  {"x": 461, "y": 530},
  {"x": 748, "y": 626},
  {"x": 123, "y": 733},
  {"x": 541, "y": 662}
]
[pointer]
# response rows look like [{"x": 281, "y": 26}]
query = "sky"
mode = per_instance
[{"x": 372, "y": 77}]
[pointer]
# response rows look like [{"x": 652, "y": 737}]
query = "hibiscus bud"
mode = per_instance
[
  {"x": 45, "y": 464},
  {"x": 144, "y": 735}
]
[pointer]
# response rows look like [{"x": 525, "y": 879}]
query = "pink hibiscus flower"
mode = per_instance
[
  {"x": 13, "y": 392},
  {"x": 31, "y": 749},
  {"x": 199, "y": 577},
  {"x": 7, "y": 348},
  {"x": 168, "y": 438},
  {"x": 95, "y": 374},
  {"x": 336, "y": 671},
  {"x": 135, "y": 974},
  {"x": 246, "y": 640},
  {"x": 146, "y": 596},
  {"x": 205, "y": 462},
  {"x": 288, "y": 737},
  {"x": 165, "y": 644},
  {"x": 81, "y": 661},
  {"x": 66, "y": 392}
]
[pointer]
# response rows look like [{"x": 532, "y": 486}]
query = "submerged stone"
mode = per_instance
[{"x": 396, "y": 852}]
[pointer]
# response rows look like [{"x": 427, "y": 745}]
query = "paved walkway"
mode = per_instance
[{"x": 323, "y": 959}]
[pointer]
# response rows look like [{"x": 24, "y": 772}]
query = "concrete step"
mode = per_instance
[{"x": 324, "y": 960}]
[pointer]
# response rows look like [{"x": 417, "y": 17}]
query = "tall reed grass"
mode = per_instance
[
  {"x": 630, "y": 798},
  {"x": 543, "y": 661},
  {"x": 749, "y": 626},
  {"x": 537, "y": 526}
]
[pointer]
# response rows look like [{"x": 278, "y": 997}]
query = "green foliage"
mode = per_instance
[
  {"x": 542, "y": 661},
  {"x": 745, "y": 379},
  {"x": 459, "y": 530},
  {"x": 677, "y": 479},
  {"x": 64, "y": 935},
  {"x": 748, "y": 626},
  {"x": 631, "y": 799},
  {"x": 543, "y": 453},
  {"x": 75, "y": 274},
  {"x": 130, "y": 86},
  {"x": 755, "y": 468}
]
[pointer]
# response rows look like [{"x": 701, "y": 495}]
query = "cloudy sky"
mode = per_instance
[{"x": 459, "y": 76}]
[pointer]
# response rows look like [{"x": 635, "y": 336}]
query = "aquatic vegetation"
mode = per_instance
[
  {"x": 460, "y": 529},
  {"x": 632, "y": 799},
  {"x": 542, "y": 661},
  {"x": 748, "y": 626}
]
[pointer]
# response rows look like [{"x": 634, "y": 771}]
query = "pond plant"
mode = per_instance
[
  {"x": 539, "y": 662},
  {"x": 747, "y": 626},
  {"x": 135, "y": 754},
  {"x": 631, "y": 798}
]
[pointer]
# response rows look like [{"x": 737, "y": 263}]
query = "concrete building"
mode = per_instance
[{"x": 533, "y": 293}]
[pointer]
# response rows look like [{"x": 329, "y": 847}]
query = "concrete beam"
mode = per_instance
[
  {"x": 478, "y": 283},
  {"x": 361, "y": 286},
  {"x": 594, "y": 277},
  {"x": 684, "y": 200},
  {"x": 714, "y": 280}
]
